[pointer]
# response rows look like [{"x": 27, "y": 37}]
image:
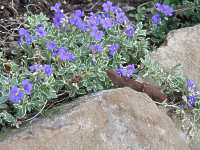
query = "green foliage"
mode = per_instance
[
  {"x": 186, "y": 13},
  {"x": 85, "y": 74},
  {"x": 169, "y": 80}
]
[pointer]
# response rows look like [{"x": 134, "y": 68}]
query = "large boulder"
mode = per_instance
[
  {"x": 183, "y": 47},
  {"x": 119, "y": 119}
]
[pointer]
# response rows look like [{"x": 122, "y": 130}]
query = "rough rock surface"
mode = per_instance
[
  {"x": 183, "y": 47},
  {"x": 119, "y": 119}
]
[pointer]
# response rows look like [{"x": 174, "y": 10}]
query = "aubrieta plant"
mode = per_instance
[
  {"x": 193, "y": 93},
  {"x": 162, "y": 9},
  {"x": 193, "y": 99},
  {"x": 70, "y": 54},
  {"x": 66, "y": 54},
  {"x": 127, "y": 71},
  {"x": 171, "y": 81},
  {"x": 161, "y": 16}
]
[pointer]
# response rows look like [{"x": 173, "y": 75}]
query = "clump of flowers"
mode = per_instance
[
  {"x": 17, "y": 94},
  {"x": 69, "y": 54},
  {"x": 77, "y": 21},
  {"x": 193, "y": 94},
  {"x": 113, "y": 48},
  {"x": 24, "y": 36},
  {"x": 97, "y": 23},
  {"x": 156, "y": 19},
  {"x": 127, "y": 71},
  {"x": 130, "y": 30},
  {"x": 40, "y": 31},
  {"x": 27, "y": 86},
  {"x": 162, "y": 9},
  {"x": 58, "y": 16},
  {"x": 46, "y": 69},
  {"x": 96, "y": 48},
  {"x": 62, "y": 53}
]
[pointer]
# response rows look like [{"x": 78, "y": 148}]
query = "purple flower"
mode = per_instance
[
  {"x": 81, "y": 25},
  {"x": 16, "y": 95},
  {"x": 55, "y": 52},
  {"x": 73, "y": 20},
  {"x": 130, "y": 70},
  {"x": 165, "y": 9},
  {"x": 190, "y": 84},
  {"x": 58, "y": 16},
  {"x": 28, "y": 39},
  {"x": 121, "y": 71},
  {"x": 77, "y": 21},
  {"x": 56, "y": 7},
  {"x": 158, "y": 6},
  {"x": 192, "y": 87},
  {"x": 35, "y": 67},
  {"x": 130, "y": 31},
  {"x": 76, "y": 17},
  {"x": 156, "y": 19},
  {"x": 93, "y": 20},
  {"x": 191, "y": 101},
  {"x": 47, "y": 69},
  {"x": 106, "y": 22},
  {"x": 27, "y": 86},
  {"x": 65, "y": 55},
  {"x": 97, "y": 34},
  {"x": 79, "y": 13},
  {"x": 116, "y": 10},
  {"x": 25, "y": 35},
  {"x": 40, "y": 31},
  {"x": 120, "y": 15},
  {"x": 23, "y": 32},
  {"x": 96, "y": 48},
  {"x": 107, "y": 6},
  {"x": 126, "y": 71},
  {"x": 69, "y": 56},
  {"x": 121, "y": 18},
  {"x": 61, "y": 53},
  {"x": 113, "y": 49},
  {"x": 57, "y": 19},
  {"x": 19, "y": 41},
  {"x": 51, "y": 45}
]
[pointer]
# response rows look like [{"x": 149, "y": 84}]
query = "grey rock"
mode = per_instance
[
  {"x": 118, "y": 119},
  {"x": 183, "y": 47}
]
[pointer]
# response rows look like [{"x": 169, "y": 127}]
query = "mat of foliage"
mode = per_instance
[{"x": 67, "y": 55}]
